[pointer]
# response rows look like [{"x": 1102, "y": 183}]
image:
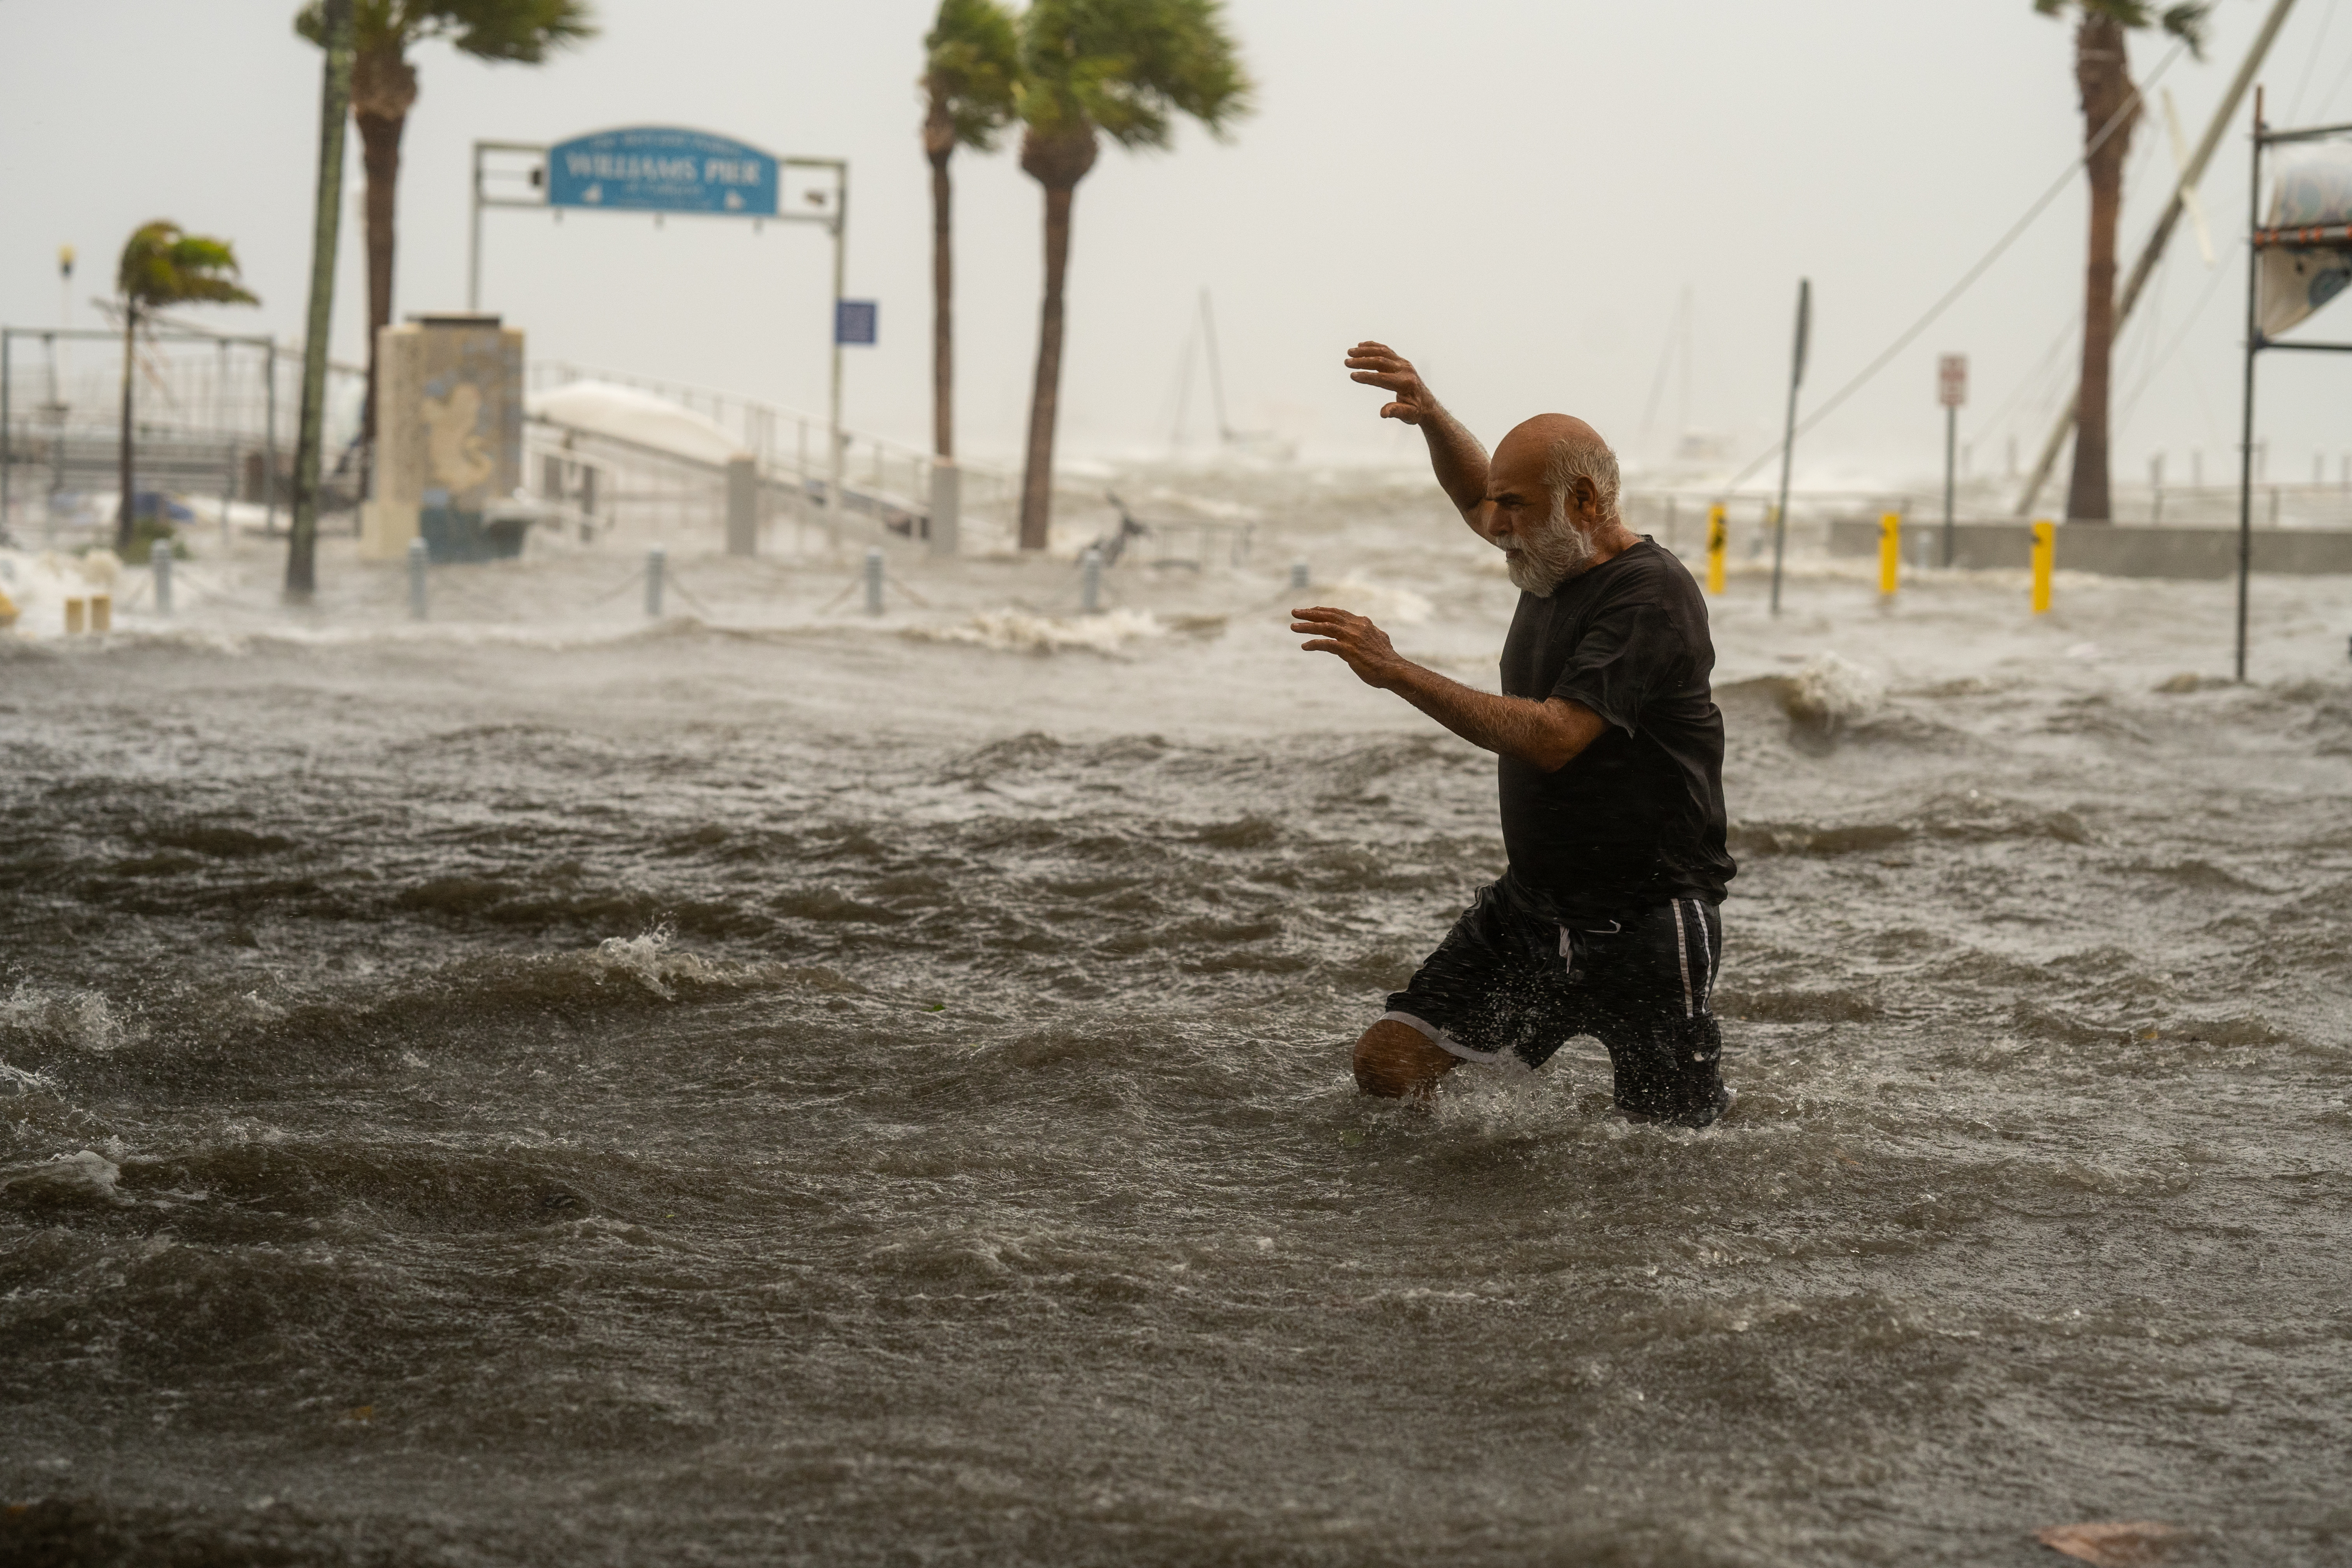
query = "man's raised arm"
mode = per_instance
[{"x": 1455, "y": 454}]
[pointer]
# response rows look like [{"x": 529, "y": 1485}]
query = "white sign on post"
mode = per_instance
[{"x": 1952, "y": 380}]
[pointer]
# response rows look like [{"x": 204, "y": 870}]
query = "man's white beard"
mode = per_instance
[{"x": 1550, "y": 556}]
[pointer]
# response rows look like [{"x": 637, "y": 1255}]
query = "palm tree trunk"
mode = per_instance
[
  {"x": 1044, "y": 403},
  {"x": 122, "y": 511},
  {"x": 380, "y": 152},
  {"x": 383, "y": 89},
  {"x": 326, "y": 218},
  {"x": 943, "y": 308},
  {"x": 2101, "y": 71}
]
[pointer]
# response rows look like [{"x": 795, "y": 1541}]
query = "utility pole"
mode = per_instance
[
  {"x": 1789, "y": 435},
  {"x": 334, "y": 109},
  {"x": 832, "y": 475},
  {"x": 2254, "y": 342},
  {"x": 1951, "y": 391}
]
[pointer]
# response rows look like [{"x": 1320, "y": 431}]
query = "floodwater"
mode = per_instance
[{"x": 777, "y": 1084}]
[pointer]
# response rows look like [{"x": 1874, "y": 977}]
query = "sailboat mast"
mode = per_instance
[
  {"x": 1216, "y": 370},
  {"x": 1184, "y": 388}
]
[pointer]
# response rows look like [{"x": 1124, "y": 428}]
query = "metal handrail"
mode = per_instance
[{"x": 707, "y": 400}]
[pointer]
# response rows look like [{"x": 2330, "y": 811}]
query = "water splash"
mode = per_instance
[
  {"x": 25, "y": 1080},
  {"x": 647, "y": 959},
  {"x": 80, "y": 1019},
  {"x": 1830, "y": 692}
]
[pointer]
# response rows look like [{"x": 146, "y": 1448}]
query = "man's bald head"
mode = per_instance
[
  {"x": 1563, "y": 461},
  {"x": 1569, "y": 459},
  {"x": 1545, "y": 430}
]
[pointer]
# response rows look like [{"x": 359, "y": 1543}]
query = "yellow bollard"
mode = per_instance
[
  {"x": 1890, "y": 553},
  {"x": 101, "y": 611},
  {"x": 1718, "y": 541},
  {"x": 2045, "y": 552},
  {"x": 74, "y": 608}
]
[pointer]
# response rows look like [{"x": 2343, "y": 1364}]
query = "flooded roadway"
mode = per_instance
[{"x": 775, "y": 1086}]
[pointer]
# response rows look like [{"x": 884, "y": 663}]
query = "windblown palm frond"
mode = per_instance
[
  {"x": 162, "y": 265},
  {"x": 2186, "y": 22},
  {"x": 1128, "y": 67},
  {"x": 522, "y": 31},
  {"x": 971, "y": 63}
]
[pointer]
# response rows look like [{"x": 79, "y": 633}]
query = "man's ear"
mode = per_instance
[{"x": 1585, "y": 496}]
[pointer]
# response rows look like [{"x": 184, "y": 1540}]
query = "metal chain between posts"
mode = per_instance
[
  {"x": 857, "y": 581},
  {"x": 1076, "y": 594},
  {"x": 626, "y": 584},
  {"x": 683, "y": 592}
]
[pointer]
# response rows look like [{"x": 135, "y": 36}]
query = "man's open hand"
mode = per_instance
[
  {"x": 1354, "y": 638},
  {"x": 1377, "y": 365}
]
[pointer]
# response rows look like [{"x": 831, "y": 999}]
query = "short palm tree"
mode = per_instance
[
  {"x": 1090, "y": 69},
  {"x": 383, "y": 89},
  {"x": 162, "y": 265},
  {"x": 971, "y": 58},
  {"x": 2110, "y": 110}
]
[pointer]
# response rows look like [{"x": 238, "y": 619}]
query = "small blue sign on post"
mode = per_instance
[
  {"x": 854, "y": 322},
  {"x": 655, "y": 168}
]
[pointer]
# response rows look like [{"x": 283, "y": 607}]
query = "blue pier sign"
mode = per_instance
[{"x": 663, "y": 169}]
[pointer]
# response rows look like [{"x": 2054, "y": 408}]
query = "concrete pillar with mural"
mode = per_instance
[{"x": 448, "y": 439}]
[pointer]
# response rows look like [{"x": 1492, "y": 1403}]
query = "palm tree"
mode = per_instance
[
  {"x": 1119, "y": 69},
  {"x": 162, "y": 266},
  {"x": 971, "y": 58},
  {"x": 2110, "y": 110},
  {"x": 383, "y": 89}
]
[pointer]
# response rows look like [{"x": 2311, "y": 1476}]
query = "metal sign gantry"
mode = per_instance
[{"x": 667, "y": 170}]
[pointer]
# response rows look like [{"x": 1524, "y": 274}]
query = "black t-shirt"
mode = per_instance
[{"x": 1636, "y": 818}]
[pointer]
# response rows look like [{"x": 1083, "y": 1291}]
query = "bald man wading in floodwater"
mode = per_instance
[{"x": 1612, "y": 774}]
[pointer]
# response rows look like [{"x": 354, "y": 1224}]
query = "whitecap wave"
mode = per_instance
[{"x": 1019, "y": 631}]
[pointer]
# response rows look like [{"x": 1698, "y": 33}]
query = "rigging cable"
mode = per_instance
[
  {"x": 2131, "y": 106},
  {"x": 2311, "y": 59},
  {"x": 2212, "y": 284}
]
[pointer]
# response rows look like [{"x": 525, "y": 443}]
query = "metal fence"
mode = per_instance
[
  {"x": 882, "y": 480},
  {"x": 214, "y": 417}
]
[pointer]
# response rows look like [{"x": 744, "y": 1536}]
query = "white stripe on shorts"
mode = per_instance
[
  {"x": 1706, "y": 959},
  {"x": 1682, "y": 953}
]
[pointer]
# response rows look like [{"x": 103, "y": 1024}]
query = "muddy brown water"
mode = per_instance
[{"x": 830, "y": 1094}]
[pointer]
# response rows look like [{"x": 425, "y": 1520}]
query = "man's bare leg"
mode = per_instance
[{"x": 1398, "y": 1061}]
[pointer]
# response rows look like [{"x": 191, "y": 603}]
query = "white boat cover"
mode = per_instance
[{"x": 627, "y": 414}]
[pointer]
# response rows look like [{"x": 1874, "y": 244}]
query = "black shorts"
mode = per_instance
[{"x": 1506, "y": 982}]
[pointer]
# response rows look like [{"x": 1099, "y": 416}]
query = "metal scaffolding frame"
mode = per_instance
[{"x": 2334, "y": 237}]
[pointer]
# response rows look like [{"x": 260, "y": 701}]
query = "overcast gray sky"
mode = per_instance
[{"x": 1517, "y": 193}]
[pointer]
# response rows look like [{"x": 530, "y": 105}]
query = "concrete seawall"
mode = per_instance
[{"x": 2114, "y": 549}]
